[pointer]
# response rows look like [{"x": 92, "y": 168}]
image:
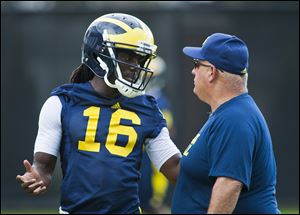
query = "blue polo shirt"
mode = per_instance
[{"x": 235, "y": 142}]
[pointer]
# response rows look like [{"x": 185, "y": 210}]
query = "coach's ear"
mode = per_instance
[
  {"x": 212, "y": 74},
  {"x": 171, "y": 168}
]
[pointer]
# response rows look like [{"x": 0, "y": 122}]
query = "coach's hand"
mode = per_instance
[{"x": 31, "y": 181}]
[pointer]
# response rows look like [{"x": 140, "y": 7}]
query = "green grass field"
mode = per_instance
[
  {"x": 290, "y": 210},
  {"x": 29, "y": 211}
]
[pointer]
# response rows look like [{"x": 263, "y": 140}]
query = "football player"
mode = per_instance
[{"x": 100, "y": 122}]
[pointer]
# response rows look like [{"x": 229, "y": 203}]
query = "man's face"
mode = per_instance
[
  {"x": 129, "y": 72},
  {"x": 201, "y": 79}
]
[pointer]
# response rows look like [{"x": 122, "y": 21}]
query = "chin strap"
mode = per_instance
[
  {"x": 123, "y": 89},
  {"x": 108, "y": 83}
]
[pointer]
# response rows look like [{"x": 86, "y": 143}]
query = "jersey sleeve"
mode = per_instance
[
  {"x": 230, "y": 150},
  {"x": 159, "y": 121},
  {"x": 161, "y": 148},
  {"x": 49, "y": 131}
]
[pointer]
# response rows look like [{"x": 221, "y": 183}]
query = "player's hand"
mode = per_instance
[{"x": 31, "y": 181}]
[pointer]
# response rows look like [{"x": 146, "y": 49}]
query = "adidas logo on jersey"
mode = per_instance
[{"x": 116, "y": 106}]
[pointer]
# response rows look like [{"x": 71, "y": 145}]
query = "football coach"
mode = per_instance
[{"x": 229, "y": 167}]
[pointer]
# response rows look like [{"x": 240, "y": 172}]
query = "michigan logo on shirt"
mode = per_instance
[{"x": 186, "y": 152}]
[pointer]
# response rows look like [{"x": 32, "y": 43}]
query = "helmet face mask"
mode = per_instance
[{"x": 109, "y": 41}]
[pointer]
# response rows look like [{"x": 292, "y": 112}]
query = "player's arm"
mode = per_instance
[
  {"x": 224, "y": 195},
  {"x": 164, "y": 155},
  {"x": 37, "y": 177},
  {"x": 171, "y": 168}
]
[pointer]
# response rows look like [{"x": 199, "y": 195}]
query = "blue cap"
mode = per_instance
[{"x": 224, "y": 51}]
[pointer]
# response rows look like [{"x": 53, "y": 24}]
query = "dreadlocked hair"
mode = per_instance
[{"x": 81, "y": 74}]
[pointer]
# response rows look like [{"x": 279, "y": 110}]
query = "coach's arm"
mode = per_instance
[{"x": 224, "y": 196}]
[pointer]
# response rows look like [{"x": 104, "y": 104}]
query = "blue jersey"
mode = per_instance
[
  {"x": 101, "y": 148},
  {"x": 235, "y": 142}
]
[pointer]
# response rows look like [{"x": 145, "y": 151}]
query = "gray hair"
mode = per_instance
[{"x": 235, "y": 83}]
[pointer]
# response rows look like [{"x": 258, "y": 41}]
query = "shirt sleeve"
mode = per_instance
[
  {"x": 230, "y": 150},
  {"x": 50, "y": 131},
  {"x": 161, "y": 148}
]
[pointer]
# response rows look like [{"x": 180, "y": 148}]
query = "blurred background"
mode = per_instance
[{"x": 40, "y": 47}]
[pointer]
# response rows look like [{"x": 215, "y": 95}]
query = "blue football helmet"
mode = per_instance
[{"x": 110, "y": 33}]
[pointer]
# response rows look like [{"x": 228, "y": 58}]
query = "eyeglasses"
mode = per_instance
[{"x": 197, "y": 63}]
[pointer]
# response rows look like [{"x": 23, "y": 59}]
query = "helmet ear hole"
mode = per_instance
[{"x": 94, "y": 56}]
